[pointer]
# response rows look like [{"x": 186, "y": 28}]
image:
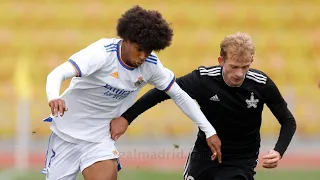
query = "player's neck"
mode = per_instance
[{"x": 120, "y": 52}]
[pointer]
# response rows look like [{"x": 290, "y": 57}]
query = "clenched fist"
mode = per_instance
[{"x": 271, "y": 160}]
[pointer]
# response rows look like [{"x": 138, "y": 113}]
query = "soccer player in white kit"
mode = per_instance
[{"x": 106, "y": 78}]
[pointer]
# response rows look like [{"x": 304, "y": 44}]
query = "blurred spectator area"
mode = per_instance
[{"x": 37, "y": 35}]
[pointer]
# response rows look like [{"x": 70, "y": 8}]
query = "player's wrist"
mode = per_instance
[
  {"x": 210, "y": 133},
  {"x": 279, "y": 152},
  {"x": 52, "y": 99},
  {"x": 126, "y": 118}
]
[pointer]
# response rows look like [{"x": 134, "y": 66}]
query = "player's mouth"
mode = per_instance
[{"x": 237, "y": 79}]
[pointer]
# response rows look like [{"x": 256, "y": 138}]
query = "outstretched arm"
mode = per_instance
[
  {"x": 191, "y": 109},
  {"x": 181, "y": 96},
  {"x": 189, "y": 83}
]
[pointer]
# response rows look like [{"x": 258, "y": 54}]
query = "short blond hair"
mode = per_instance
[{"x": 238, "y": 46}]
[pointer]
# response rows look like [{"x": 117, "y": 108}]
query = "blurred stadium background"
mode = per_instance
[{"x": 38, "y": 35}]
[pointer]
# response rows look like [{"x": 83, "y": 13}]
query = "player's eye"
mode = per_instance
[
  {"x": 139, "y": 49},
  {"x": 245, "y": 67}
]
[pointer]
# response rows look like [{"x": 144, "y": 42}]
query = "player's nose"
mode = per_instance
[{"x": 239, "y": 73}]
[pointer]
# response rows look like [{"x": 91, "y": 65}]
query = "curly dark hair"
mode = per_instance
[{"x": 146, "y": 28}]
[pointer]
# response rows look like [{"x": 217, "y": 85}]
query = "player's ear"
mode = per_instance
[
  {"x": 221, "y": 60},
  {"x": 252, "y": 58},
  {"x": 126, "y": 41}
]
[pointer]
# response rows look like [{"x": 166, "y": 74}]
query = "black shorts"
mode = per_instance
[{"x": 205, "y": 169}]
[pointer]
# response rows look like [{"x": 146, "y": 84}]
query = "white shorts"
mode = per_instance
[{"x": 64, "y": 160}]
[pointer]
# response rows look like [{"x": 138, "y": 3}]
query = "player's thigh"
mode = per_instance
[
  {"x": 196, "y": 169},
  {"x": 101, "y": 170},
  {"x": 202, "y": 176},
  {"x": 62, "y": 159},
  {"x": 100, "y": 161}
]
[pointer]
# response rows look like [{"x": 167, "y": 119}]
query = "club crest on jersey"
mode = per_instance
[
  {"x": 115, "y": 152},
  {"x": 139, "y": 82},
  {"x": 252, "y": 102}
]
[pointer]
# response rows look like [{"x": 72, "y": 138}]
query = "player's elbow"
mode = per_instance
[
  {"x": 291, "y": 124},
  {"x": 50, "y": 76}
]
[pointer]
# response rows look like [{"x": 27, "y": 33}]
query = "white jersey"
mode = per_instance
[{"x": 106, "y": 87}]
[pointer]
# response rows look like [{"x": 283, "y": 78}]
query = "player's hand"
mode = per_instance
[
  {"x": 58, "y": 106},
  {"x": 271, "y": 160},
  {"x": 214, "y": 144},
  {"x": 118, "y": 126}
]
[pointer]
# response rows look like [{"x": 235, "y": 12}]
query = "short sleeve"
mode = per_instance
[
  {"x": 89, "y": 59},
  {"x": 161, "y": 77}
]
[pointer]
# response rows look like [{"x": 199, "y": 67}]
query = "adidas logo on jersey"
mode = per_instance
[
  {"x": 215, "y": 98},
  {"x": 115, "y": 75}
]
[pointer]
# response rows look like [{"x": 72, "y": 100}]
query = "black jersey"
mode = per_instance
[{"x": 235, "y": 112}]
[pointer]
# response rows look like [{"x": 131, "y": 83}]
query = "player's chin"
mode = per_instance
[
  {"x": 132, "y": 65},
  {"x": 137, "y": 65},
  {"x": 237, "y": 83}
]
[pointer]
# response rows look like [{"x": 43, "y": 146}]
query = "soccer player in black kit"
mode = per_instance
[{"x": 231, "y": 96}]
